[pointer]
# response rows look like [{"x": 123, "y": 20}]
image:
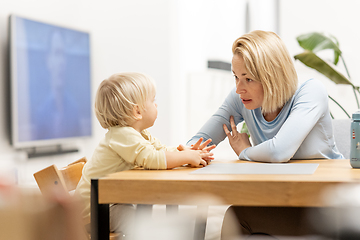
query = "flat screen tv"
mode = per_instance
[{"x": 50, "y": 83}]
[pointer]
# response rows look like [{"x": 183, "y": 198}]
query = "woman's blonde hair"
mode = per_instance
[
  {"x": 117, "y": 96},
  {"x": 268, "y": 61}
]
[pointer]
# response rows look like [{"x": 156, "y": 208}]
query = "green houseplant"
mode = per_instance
[{"x": 314, "y": 42}]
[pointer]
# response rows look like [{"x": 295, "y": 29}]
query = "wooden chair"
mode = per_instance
[{"x": 52, "y": 179}]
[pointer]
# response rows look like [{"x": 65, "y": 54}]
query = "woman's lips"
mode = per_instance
[{"x": 246, "y": 101}]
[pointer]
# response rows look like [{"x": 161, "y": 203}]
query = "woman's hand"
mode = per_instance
[
  {"x": 238, "y": 141},
  {"x": 203, "y": 146}
]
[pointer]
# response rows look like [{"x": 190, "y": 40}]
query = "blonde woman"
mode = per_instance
[
  {"x": 285, "y": 121},
  {"x": 125, "y": 106}
]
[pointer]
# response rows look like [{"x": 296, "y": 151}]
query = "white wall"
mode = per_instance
[
  {"x": 166, "y": 39},
  {"x": 205, "y": 30},
  {"x": 337, "y": 17},
  {"x": 125, "y": 36}
]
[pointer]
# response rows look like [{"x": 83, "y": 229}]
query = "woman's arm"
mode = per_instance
[
  {"x": 308, "y": 107},
  {"x": 213, "y": 128}
]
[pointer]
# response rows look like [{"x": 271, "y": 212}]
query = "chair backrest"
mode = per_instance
[
  {"x": 342, "y": 135},
  {"x": 52, "y": 179}
]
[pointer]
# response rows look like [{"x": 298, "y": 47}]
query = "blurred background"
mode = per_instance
[{"x": 172, "y": 41}]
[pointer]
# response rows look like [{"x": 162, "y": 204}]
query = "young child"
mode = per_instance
[{"x": 125, "y": 105}]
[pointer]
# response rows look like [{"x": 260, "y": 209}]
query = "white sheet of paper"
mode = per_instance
[{"x": 258, "y": 168}]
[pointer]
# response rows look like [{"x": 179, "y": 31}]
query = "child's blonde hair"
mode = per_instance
[
  {"x": 268, "y": 61},
  {"x": 117, "y": 96}
]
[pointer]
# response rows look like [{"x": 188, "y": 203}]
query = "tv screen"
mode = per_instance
[{"x": 50, "y": 83}]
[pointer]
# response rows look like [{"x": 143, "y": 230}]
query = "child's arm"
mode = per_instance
[
  {"x": 187, "y": 156},
  {"x": 139, "y": 150}
]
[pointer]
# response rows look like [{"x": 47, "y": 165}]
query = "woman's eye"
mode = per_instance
[{"x": 248, "y": 80}]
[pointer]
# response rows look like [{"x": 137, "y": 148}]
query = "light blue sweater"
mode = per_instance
[{"x": 302, "y": 130}]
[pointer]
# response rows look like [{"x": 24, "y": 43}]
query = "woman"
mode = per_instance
[{"x": 285, "y": 121}]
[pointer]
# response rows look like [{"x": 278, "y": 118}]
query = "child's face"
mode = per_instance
[{"x": 149, "y": 114}]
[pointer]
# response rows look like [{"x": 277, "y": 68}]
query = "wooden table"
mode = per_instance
[{"x": 179, "y": 187}]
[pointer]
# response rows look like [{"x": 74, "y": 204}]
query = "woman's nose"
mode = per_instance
[{"x": 239, "y": 88}]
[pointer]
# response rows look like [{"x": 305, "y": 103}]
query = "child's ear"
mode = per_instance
[{"x": 137, "y": 112}]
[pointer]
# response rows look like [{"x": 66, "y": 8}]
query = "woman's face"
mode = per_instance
[{"x": 251, "y": 92}]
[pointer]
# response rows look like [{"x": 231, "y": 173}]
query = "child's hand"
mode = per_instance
[
  {"x": 198, "y": 158},
  {"x": 205, "y": 155},
  {"x": 204, "y": 148}
]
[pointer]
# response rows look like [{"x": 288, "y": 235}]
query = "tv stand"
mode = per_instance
[{"x": 48, "y": 151}]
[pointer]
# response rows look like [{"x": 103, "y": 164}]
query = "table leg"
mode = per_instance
[{"x": 100, "y": 221}]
